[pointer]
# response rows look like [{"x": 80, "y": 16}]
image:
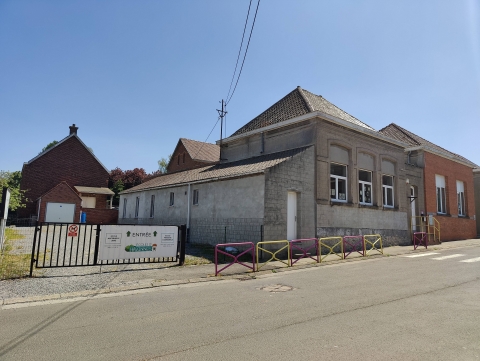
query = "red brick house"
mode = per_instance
[
  {"x": 64, "y": 181},
  {"x": 448, "y": 185},
  {"x": 190, "y": 154}
]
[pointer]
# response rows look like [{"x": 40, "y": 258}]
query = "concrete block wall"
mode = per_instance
[{"x": 298, "y": 175}]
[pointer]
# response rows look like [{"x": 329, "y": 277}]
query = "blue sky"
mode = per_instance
[{"x": 135, "y": 76}]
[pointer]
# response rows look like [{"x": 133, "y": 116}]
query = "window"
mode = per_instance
[
  {"x": 338, "y": 182},
  {"x": 124, "y": 215},
  {"x": 387, "y": 188},
  {"x": 172, "y": 198},
  {"x": 365, "y": 187},
  {"x": 461, "y": 198},
  {"x": 441, "y": 195},
  {"x": 152, "y": 206},
  {"x": 195, "y": 196},
  {"x": 137, "y": 205}
]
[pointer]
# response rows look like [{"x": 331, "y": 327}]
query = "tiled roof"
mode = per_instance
[
  {"x": 396, "y": 132},
  {"x": 294, "y": 104},
  {"x": 201, "y": 151},
  {"x": 239, "y": 168}
]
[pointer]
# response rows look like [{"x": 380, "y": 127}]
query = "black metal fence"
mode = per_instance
[{"x": 55, "y": 246}]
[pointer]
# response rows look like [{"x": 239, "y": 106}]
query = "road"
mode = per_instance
[{"x": 390, "y": 308}]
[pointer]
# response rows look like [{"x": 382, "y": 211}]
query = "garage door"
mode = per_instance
[{"x": 60, "y": 212}]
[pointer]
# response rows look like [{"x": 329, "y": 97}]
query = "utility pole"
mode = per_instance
[{"x": 222, "y": 113}]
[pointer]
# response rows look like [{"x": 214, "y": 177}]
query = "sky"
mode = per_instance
[{"x": 135, "y": 76}]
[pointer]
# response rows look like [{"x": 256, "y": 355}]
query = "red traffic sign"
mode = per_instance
[{"x": 73, "y": 230}]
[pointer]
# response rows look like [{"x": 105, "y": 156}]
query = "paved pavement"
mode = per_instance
[{"x": 135, "y": 277}]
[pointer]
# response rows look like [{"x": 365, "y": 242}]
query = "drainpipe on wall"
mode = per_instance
[{"x": 188, "y": 207}]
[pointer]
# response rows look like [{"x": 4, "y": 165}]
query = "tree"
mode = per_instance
[
  {"x": 48, "y": 146},
  {"x": 163, "y": 163},
  {"x": 120, "y": 180},
  {"x": 12, "y": 181}
]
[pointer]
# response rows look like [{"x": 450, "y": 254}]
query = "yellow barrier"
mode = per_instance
[
  {"x": 374, "y": 240},
  {"x": 274, "y": 254},
  {"x": 331, "y": 251}
]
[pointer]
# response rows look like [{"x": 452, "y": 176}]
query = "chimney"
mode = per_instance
[{"x": 73, "y": 129}]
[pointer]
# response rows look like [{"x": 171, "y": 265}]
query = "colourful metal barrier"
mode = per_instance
[
  {"x": 273, "y": 254},
  {"x": 305, "y": 251},
  {"x": 420, "y": 239},
  {"x": 322, "y": 243},
  {"x": 356, "y": 243},
  {"x": 374, "y": 240},
  {"x": 250, "y": 249}
]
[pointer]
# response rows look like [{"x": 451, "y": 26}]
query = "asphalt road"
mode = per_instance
[{"x": 391, "y": 308}]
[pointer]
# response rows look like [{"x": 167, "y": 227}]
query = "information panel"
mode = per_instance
[{"x": 128, "y": 242}]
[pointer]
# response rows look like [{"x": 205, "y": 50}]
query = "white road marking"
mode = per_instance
[
  {"x": 421, "y": 254},
  {"x": 447, "y": 257},
  {"x": 471, "y": 260}
]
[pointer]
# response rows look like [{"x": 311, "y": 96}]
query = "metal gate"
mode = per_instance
[{"x": 77, "y": 244}]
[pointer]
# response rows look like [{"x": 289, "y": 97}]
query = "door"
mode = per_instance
[
  {"x": 413, "y": 203},
  {"x": 292, "y": 216},
  {"x": 60, "y": 212}
]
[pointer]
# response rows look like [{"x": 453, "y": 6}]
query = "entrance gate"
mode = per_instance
[{"x": 78, "y": 244}]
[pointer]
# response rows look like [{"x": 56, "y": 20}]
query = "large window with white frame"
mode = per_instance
[
  {"x": 137, "y": 206},
  {"x": 365, "y": 187},
  {"x": 152, "y": 206},
  {"x": 338, "y": 182},
  {"x": 387, "y": 188},
  {"x": 461, "y": 198},
  {"x": 441, "y": 194}
]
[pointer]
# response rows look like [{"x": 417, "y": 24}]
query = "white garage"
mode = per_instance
[{"x": 60, "y": 212}]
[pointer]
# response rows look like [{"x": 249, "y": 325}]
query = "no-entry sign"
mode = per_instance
[{"x": 73, "y": 230}]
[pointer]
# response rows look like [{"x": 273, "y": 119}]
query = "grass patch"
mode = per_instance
[{"x": 13, "y": 265}]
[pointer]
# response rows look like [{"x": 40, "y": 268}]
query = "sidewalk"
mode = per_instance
[{"x": 119, "y": 278}]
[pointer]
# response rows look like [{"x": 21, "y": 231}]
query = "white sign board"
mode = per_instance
[
  {"x": 128, "y": 242},
  {"x": 5, "y": 203}
]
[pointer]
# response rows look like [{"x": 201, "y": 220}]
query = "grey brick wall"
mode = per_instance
[{"x": 298, "y": 175}]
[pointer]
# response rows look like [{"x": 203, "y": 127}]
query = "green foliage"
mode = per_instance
[
  {"x": 12, "y": 181},
  {"x": 48, "y": 146},
  {"x": 13, "y": 264},
  {"x": 163, "y": 163}
]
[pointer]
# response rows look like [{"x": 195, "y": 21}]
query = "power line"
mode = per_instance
[
  {"x": 240, "y": 49},
  {"x": 245, "y": 54}
]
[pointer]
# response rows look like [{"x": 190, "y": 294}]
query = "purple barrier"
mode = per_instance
[
  {"x": 356, "y": 244},
  {"x": 304, "y": 250},
  {"x": 420, "y": 239},
  {"x": 235, "y": 258}
]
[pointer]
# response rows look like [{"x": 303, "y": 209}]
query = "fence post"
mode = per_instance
[
  {"x": 97, "y": 244},
  {"x": 183, "y": 230},
  {"x": 32, "y": 259}
]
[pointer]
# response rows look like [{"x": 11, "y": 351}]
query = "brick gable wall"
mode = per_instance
[
  {"x": 69, "y": 162},
  {"x": 452, "y": 227},
  {"x": 60, "y": 194},
  {"x": 178, "y": 164}
]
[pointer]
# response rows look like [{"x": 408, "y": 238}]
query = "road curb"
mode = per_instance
[{"x": 146, "y": 284}]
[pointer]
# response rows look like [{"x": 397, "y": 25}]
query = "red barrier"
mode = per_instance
[
  {"x": 356, "y": 243},
  {"x": 230, "y": 254},
  {"x": 305, "y": 251},
  {"x": 420, "y": 239}
]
